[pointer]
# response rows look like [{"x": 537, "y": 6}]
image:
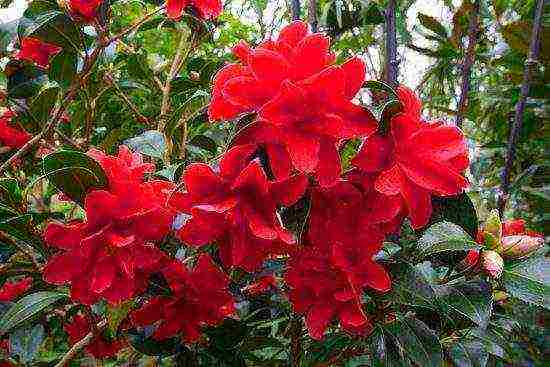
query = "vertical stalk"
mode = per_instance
[
  {"x": 295, "y": 9},
  {"x": 534, "y": 49},
  {"x": 312, "y": 14},
  {"x": 391, "y": 45},
  {"x": 473, "y": 30}
]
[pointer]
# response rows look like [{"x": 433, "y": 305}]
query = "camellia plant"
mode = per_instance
[{"x": 273, "y": 207}]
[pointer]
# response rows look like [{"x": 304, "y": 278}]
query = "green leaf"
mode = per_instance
[
  {"x": 377, "y": 86},
  {"x": 373, "y": 14},
  {"x": 150, "y": 143},
  {"x": 24, "y": 80},
  {"x": 472, "y": 299},
  {"x": 43, "y": 103},
  {"x": 74, "y": 173},
  {"x": 115, "y": 315},
  {"x": 63, "y": 67},
  {"x": 414, "y": 341},
  {"x": 529, "y": 281},
  {"x": 410, "y": 286},
  {"x": 443, "y": 237},
  {"x": 27, "y": 307},
  {"x": 432, "y": 24},
  {"x": 53, "y": 27},
  {"x": 458, "y": 209},
  {"x": 469, "y": 353}
]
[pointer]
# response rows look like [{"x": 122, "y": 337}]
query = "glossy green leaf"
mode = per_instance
[
  {"x": 74, "y": 173},
  {"x": 43, "y": 103},
  {"x": 151, "y": 143},
  {"x": 529, "y": 280},
  {"x": 433, "y": 25},
  {"x": 458, "y": 209},
  {"x": 468, "y": 353},
  {"x": 444, "y": 237},
  {"x": 63, "y": 67},
  {"x": 28, "y": 307}
]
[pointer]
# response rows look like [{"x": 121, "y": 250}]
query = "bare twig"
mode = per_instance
[
  {"x": 534, "y": 49},
  {"x": 295, "y": 9},
  {"x": 312, "y": 14},
  {"x": 296, "y": 340},
  {"x": 473, "y": 30},
  {"x": 138, "y": 115},
  {"x": 391, "y": 44},
  {"x": 80, "y": 345}
]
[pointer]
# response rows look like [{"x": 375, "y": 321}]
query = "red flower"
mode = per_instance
[
  {"x": 294, "y": 56},
  {"x": 99, "y": 347},
  {"x": 10, "y": 136},
  {"x": 416, "y": 160},
  {"x": 36, "y": 51},
  {"x": 110, "y": 255},
  {"x": 237, "y": 207},
  {"x": 325, "y": 285},
  {"x": 199, "y": 298},
  {"x": 206, "y": 9},
  {"x": 87, "y": 10},
  {"x": 12, "y": 290}
]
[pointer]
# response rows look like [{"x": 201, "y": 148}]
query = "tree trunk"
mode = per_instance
[
  {"x": 473, "y": 29},
  {"x": 531, "y": 61},
  {"x": 391, "y": 45},
  {"x": 312, "y": 14},
  {"x": 295, "y": 9}
]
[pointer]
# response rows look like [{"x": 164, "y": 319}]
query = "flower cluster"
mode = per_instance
[
  {"x": 11, "y": 136},
  {"x": 11, "y": 290},
  {"x": 85, "y": 10},
  {"x": 111, "y": 254},
  {"x": 304, "y": 110},
  {"x": 199, "y": 298},
  {"x": 204, "y": 9}
]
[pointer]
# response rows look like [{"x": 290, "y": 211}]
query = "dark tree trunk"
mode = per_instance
[
  {"x": 312, "y": 14},
  {"x": 391, "y": 45},
  {"x": 473, "y": 30},
  {"x": 295, "y": 9},
  {"x": 531, "y": 61}
]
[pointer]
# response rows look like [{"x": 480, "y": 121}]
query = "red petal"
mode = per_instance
[
  {"x": 375, "y": 154},
  {"x": 174, "y": 8},
  {"x": 235, "y": 160},
  {"x": 310, "y": 56},
  {"x": 418, "y": 202},
  {"x": 351, "y": 316},
  {"x": 204, "y": 185},
  {"x": 62, "y": 236},
  {"x": 440, "y": 143},
  {"x": 279, "y": 160},
  {"x": 411, "y": 103},
  {"x": 268, "y": 67},
  {"x": 303, "y": 150},
  {"x": 375, "y": 276},
  {"x": 287, "y": 107},
  {"x": 62, "y": 268},
  {"x": 432, "y": 175},
  {"x": 246, "y": 92},
  {"x": 122, "y": 288},
  {"x": 241, "y": 51},
  {"x": 150, "y": 312},
  {"x": 293, "y": 33},
  {"x": 101, "y": 206},
  {"x": 289, "y": 191},
  {"x": 328, "y": 168},
  {"x": 389, "y": 181},
  {"x": 103, "y": 273},
  {"x": 354, "y": 71},
  {"x": 317, "y": 320},
  {"x": 202, "y": 228}
]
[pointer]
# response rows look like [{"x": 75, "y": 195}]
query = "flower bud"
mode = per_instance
[
  {"x": 194, "y": 76},
  {"x": 492, "y": 264},
  {"x": 518, "y": 246},
  {"x": 493, "y": 230},
  {"x": 471, "y": 260}
]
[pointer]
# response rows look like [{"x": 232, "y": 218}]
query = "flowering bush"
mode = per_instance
[{"x": 294, "y": 212}]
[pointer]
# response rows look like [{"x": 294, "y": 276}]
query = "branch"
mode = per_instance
[
  {"x": 295, "y": 9},
  {"x": 391, "y": 45},
  {"x": 473, "y": 29},
  {"x": 138, "y": 115},
  {"x": 296, "y": 341},
  {"x": 135, "y": 26},
  {"x": 79, "y": 346},
  {"x": 312, "y": 14},
  {"x": 534, "y": 49}
]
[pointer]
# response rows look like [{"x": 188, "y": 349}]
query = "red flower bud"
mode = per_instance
[
  {"x": 471, "y": 260},
  {"x": 518, "y": 246},
  {"x": 492, "y": 263}
]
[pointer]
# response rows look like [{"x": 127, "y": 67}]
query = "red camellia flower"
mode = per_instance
[
  {"x": 261, "y": 285},
  {"x": 12, "y": 290},
  {"x": 245, "y": 87},
  {"x": 199, "y": 298},
  {"x": 205, "y": 9},
  {"x": 416, "y": 159},
  {"x": 10, "y": 136},
  {"x": 85, "y": 10},
  {"x": 327, "y": 283},
  {"x": 99, "y": 347},
  {"x": 110, "y": 255},
  {"x": 237, "y": 207},
  {"x": 36, "y": 51}
]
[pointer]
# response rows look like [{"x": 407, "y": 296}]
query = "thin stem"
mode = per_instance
[
  {"x": 531, "y": 61},
  {"x": 473, "y": 30},
  {"x": 391, "y": 44},
  {"x": 109, "y": 79},
  {"x": 80, "y": 345}
]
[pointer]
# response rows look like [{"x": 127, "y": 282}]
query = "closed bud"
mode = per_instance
[
  {"x": 518, "y": 246},
  {"x": 493, "y": 230},
  {"x": 194, "y": 76},
  {"x": 471, "y": 260},
  {"x": 492, "y": 264}
]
